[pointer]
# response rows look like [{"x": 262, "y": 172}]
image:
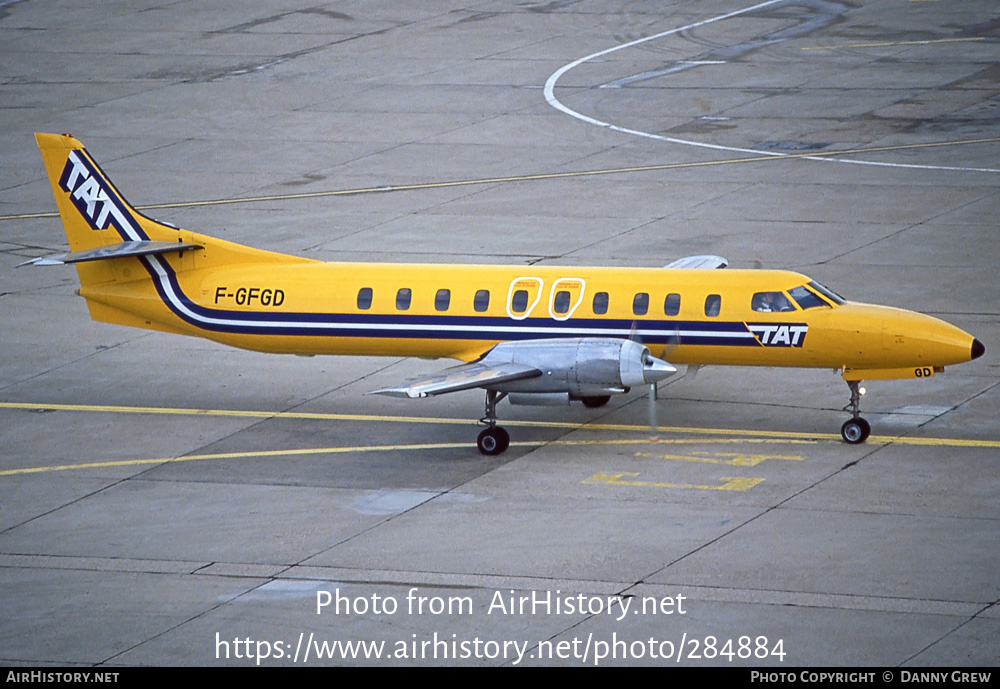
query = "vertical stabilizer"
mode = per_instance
[
  {"x": 93, "y": 212},
  {"x": 134, "y": 270}
]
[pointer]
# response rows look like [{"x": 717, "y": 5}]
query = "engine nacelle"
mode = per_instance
[{"x": 580, "y": 367}]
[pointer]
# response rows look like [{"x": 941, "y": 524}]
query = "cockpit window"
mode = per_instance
[
  {"x": 806, "y": 299},
  {"x": 828, "y": 293},
  {"x": 771, "y": 302}
]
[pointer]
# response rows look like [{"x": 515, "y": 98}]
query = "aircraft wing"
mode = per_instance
[
  {"x": 478, "y": 374},
  {"x": 699, "y": 262}
]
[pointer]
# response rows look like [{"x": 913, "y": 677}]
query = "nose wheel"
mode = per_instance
[
  {"x": 856, "y": 429},
  {"x": 493, "y": 440}
]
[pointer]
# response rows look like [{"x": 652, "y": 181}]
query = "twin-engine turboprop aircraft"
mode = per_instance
[{"x": 536, "y": 335}]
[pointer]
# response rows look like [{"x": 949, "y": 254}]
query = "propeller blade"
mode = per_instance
[{"x": 654, "y": 426}]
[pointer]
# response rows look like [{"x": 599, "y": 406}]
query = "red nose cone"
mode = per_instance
[{"x": 977, "y": 349}]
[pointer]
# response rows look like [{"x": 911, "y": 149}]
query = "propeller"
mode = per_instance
[{"x": 655, "y": 370}]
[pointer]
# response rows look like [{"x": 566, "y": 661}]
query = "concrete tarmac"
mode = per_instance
[{"x": 167, "y": 501}]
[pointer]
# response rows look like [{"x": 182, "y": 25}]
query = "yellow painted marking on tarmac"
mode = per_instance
[
  {"x": 742, "y": 435},
  {"x": 683, "y": 441},
  {"x": 531, "y": 177},
  {"x": 328, "y": 451},
  {"x": 32, "y": 406},
  {"x": 299, "y": 453},
  {"x": 181, "y": 411},
  {"x": 734, "y": 483},
  {"x": 231, "y": 455},
  {"x": 732, "y": 459},
  {"x": 888, "y": 44}
]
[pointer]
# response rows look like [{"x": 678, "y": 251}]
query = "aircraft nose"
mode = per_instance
[
  {"x": 978, "y": 348},
  {"x": 655, "y": 370}
]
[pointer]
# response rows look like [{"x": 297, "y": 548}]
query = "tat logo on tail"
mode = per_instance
[{"x": 81, "y": 181}]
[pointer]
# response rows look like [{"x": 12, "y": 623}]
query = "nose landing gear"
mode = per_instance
[{"x": 855, "y": 430}]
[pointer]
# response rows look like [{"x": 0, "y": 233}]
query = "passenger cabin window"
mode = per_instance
[
  {"x": 442, "y": 300},
  {"x": 403, "y": 297},
  {"x": 806, "y": 299},
  {"x": 519, "y": 301},
  {"x": 561, "y": 302},
  {"x": 672, "y": 305},
  {"x": 601, "y": 303},
  {"x": 640, "y": 304},
  {"x": 365, "y": 298},
  {"x": 713, "y": 304},
  {"x": 771, "y": 302},
  {"x": 481, "y": 301}
]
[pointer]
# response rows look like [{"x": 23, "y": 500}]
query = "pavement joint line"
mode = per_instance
[{"x": 890, "y": 44}]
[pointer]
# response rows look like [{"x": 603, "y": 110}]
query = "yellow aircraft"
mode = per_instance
[{"x": 533, "y": 334}]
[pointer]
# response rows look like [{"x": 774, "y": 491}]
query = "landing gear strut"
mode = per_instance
[
  {"x": 493, "y": 440},
  {"x": 855, "y": 430}
]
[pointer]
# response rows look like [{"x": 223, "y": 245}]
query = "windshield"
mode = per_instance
[
  {"x": 806, "y": 299},
  {"x": 828, "y": 293}
]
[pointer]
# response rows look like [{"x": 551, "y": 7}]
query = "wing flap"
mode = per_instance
[{"x": 477, "y": 374}]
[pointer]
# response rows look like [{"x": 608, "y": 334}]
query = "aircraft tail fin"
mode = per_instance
[
  {"x": 128, "y": 262},
  {"x": 101, "y": 225},
  {"x": 94, "y": 213}
]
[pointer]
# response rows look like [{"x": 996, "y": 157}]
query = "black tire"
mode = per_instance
[
  {"x": 595, "y": 402},
  {"x": 493, "y": 441},
  {"x": 867, "y": 427},
  {"x": 855, "y": 431}
]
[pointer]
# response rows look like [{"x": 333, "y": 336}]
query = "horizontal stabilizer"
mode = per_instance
[
  {"x": 477, "y": 374},
  {"x": 103, "y": 253},
  {"x": 700, "y": 262}
]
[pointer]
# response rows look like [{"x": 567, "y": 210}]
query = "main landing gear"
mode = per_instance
[
  {"x": 855, "y": 430},
  {"x": 493, "y": 440}
]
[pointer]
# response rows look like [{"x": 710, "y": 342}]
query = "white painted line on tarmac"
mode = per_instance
[{"x": 551, "y": 99}]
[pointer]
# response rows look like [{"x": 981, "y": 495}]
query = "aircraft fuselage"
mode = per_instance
[{"x": 461, "y": 311}]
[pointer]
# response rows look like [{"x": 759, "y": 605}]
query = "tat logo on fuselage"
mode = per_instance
[
  {"x": 779, "y": 334},
  {"x": 82, "y": 183}
]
